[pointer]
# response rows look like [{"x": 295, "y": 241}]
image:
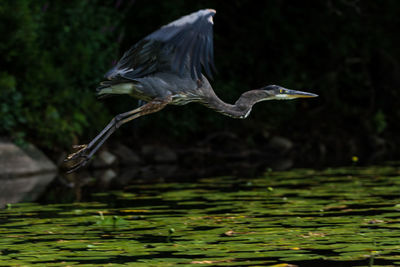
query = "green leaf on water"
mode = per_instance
[{"x": 345, "y": 214}]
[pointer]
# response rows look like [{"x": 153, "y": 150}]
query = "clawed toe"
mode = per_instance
[
  {"x": 77, "y": 154},
  {"x": 80, "y": 147},
  {"x": 81, "y": 154},
  {"x": 79, "y": 164}
]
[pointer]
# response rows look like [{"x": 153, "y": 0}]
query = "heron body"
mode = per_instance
[
  {"x": 182, "y": 90},
  {"x": 166, "y": 68}
]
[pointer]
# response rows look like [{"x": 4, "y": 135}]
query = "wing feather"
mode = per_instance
[{"x": 184, "y": 45}]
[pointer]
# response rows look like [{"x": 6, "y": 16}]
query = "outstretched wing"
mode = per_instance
[
  {"x": 182, "y": 45},
  {"x": 140, "y": 60}
]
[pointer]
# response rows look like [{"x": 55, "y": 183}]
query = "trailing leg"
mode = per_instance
[{"x": 85, "y": 152}]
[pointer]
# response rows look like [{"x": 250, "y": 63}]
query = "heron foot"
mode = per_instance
[
  {"x": 82, "y": 154},
  {"x": 79, "y": 165},
  {"x": 81, "y": 150}
]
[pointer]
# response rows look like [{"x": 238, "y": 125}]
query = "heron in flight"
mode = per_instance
[{"x": 166, "y": 68}]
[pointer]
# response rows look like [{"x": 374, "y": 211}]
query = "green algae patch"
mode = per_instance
[{"x": 301, "y": 217}]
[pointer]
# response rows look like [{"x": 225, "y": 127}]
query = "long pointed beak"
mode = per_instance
[{"x": 294, "y": 93}]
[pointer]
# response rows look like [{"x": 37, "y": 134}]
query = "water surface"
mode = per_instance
[{"x": 335, "y": 217}]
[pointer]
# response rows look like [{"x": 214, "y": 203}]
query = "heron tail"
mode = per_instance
[{"x": 107, "y": 88}]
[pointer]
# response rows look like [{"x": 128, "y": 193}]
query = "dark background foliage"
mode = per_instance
[{"x": 54, "y": 53}]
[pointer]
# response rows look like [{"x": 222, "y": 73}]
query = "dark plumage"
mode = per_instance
[
  {"x": 165, "y": 68},
  {"x": 184, "y": 43}
]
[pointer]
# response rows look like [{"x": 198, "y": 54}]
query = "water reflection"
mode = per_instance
[
  {"x": 24, "y": 189},
  {"x": 78, "y": 186}
]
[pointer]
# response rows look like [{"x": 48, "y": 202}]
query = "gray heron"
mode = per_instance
[{"x": 165, "y": 68}]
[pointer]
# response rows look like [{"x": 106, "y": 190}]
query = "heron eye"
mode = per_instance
[{"x": 280, "y": 91}]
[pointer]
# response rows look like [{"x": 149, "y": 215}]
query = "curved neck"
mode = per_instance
[{"x": 242, "y": 107}]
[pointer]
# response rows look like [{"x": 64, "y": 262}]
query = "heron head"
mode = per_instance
[{"x": 276, "y": 92}]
